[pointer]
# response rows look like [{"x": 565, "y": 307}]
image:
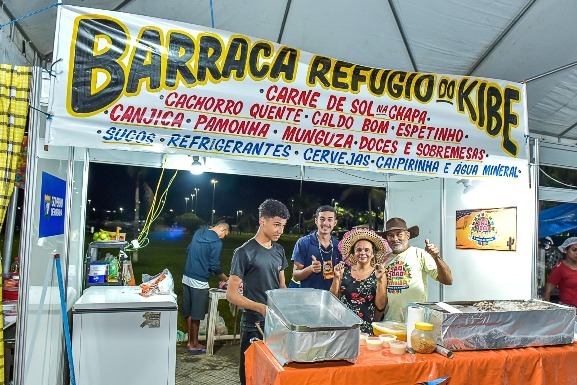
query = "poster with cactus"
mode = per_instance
[{"x": 487, "y": 229}]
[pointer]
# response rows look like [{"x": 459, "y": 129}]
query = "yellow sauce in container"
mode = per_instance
[{"x": 397, "y": 329}]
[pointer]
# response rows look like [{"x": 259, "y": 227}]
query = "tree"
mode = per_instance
[
  {"x": 190, "y": 222},
  {"x": 374, "y": 196},
  {"x": 247, "y": 222}
]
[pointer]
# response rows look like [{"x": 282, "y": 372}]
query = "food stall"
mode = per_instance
[{"x": 446, "y": 148}]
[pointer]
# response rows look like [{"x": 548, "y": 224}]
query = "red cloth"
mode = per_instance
[{"x": 550, "y": 365}]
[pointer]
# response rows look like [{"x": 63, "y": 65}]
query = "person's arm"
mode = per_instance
[
  {"x": 282, "y": 279},
  {"x": 337, "y": 279},
  {"x": 233, "y": 296},
  {"x": 443, "y": 271},
  {"x": 549, "y": 287},
  {"x": 215, "y": 267},
  {"x": 300, "y": 272},
  {"x": 381, "y": 296}
]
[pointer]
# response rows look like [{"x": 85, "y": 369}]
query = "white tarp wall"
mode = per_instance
[{"x": 477, "y": 274}]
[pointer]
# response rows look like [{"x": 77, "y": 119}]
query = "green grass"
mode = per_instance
[{"x": 171, "y": 255}]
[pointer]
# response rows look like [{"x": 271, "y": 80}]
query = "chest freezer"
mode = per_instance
[{"x": 120, "y": 337}]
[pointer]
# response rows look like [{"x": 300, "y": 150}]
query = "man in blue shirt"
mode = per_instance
[
  {"x": 316, "y": 254},
  {"x": 203, "y": 258}
]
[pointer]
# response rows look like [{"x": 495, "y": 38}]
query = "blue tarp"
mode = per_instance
[{"x": 557, "y": 219}]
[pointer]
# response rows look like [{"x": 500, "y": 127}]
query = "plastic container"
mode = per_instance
[
  {"x": 386, "y": 339},
  {"x": 373, "y": 343},
  {"x": 397, "y": 329},
  {"x": 422, "y": 338},
  {"x": 363, "y": 338},
  {"x": 398, "y": 347}
]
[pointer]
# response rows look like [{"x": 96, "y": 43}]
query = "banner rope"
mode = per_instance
[
  {"x": 30, "y": 14},
  {"x": 211, "y": 14}
]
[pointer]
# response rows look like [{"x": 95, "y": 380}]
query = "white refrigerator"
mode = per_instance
[{"x": 120, "y": 337}]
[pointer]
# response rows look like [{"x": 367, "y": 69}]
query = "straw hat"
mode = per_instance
[
  {"x": 400, "y": 224},
  {"x": 381, "y": 247}
]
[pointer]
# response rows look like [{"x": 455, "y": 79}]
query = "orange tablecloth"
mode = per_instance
[{"x": 550, "y": 365}]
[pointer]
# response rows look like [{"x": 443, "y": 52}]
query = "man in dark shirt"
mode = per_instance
[
  {"x": 202, "y": 260},
  {"x": 258, "y": 266}
]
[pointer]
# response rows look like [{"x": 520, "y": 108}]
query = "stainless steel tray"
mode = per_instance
[
  {"x": 309, "y": 325},
  {"x": 501, "y": 324}
]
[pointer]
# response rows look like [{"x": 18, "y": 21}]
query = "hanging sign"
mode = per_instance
[
  {"x": 138, "y": 83},
  {"x": 53, "y": 193}
]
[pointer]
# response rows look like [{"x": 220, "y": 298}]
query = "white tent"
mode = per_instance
[{"x": 515, "y": 40}]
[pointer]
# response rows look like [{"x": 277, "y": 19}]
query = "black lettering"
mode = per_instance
[
  {"x": 146, "y": 62},
  {"x": 87, "y": 63},
  {"x": 180, "y": 52},
  {"x": 235, "y": 58},
  {"x": 208, "y": 56}
]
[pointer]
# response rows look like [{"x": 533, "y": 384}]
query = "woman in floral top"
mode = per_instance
[{"x": 362, "y": 287}]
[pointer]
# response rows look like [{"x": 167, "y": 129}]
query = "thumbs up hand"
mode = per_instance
[
  {"x": 316, "y": 265},
  {"x": 339, "y": 268},
  {"x": 431, "y": 249}
]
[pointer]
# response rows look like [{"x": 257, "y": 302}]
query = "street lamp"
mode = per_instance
[
  {"x": 192, "y": 201},
  {"x": 121, "y": 210},
  {"x": 186, "y": 204},
  {"x": 196, "y": 190},
  {"x": 237, "y": 213},
  {"x": 214, "y": 182},
  {"x": 333, "y": 202}
]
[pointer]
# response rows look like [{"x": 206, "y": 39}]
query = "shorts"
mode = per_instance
[{"x": 194, "y": 302}]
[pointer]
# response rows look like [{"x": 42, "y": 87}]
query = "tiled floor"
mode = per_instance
[{"x": 220, "y": 368}]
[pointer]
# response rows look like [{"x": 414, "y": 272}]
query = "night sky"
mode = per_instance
[{"x": 110, "y": 188}]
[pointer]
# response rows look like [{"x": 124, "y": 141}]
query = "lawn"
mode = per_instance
[{"x": 171, "y": 255}]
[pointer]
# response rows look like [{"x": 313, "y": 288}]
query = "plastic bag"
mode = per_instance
[
  {"x": 219, "y": 328},
  {"x": 162, "y": 283}
]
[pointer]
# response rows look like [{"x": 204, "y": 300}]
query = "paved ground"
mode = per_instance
[{"x": 220, "y": 368}]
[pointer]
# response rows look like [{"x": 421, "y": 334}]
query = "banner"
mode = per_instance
[
  {"x": 138, "y": 83},
  {"x": 52, "y": 209},
  {"x": 487, "y": 229}
]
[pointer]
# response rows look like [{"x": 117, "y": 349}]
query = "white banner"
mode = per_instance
[{"x": 138, "y": 83}]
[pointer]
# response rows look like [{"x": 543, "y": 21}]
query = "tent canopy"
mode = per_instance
[
  {"x": 512, "y": 40},
  {"x": 558, "y": 219}
]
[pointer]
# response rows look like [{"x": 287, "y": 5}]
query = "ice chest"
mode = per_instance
[
  {"x": 310, "y": 325},
  {"x": 500, "y": 324}
]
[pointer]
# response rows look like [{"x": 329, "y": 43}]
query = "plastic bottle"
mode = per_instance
[
  {"x": 15, "y": 269},
  {"x": 422, "y": 338}
]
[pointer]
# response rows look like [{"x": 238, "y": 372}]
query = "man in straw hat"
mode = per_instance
[
  {"x": 362, "y": 287},
  {"x": 408, "y": 267}
]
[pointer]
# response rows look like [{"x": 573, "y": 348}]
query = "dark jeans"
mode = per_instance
[{"x": 245, "y": 337}]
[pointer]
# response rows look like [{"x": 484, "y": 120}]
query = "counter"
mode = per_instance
[{"x": 549, "y": 365}]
